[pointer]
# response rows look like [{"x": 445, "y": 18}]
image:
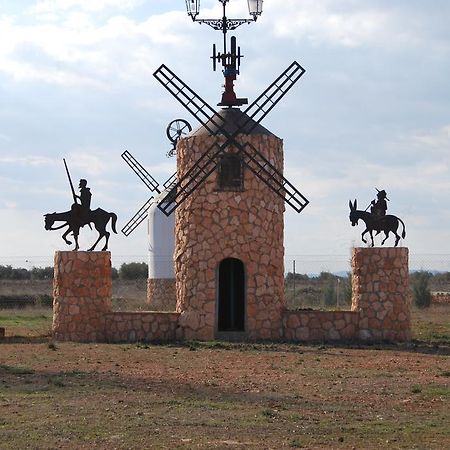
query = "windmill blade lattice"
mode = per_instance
[
  {"x": 201, "y": 110},
  {"x": 195, "y": 176},
  {"x": 140, "y": 171},
  {"x": 273, "y": 94},
  {"x": 138, "y": 218},
  {"x": 266, "y": 172},
  {"x": 171, "y": 181},
  {"x": 215, "y": 124}
]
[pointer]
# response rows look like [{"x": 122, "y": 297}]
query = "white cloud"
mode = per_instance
[
  {"x": 350, "y": 23},
  {"x": 58, "y": 6},
  {"x": 29, "y": 160},
  {"x": 77, "y": 51}
]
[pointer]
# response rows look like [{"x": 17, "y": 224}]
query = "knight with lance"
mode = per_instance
[{"x": 81, "y": 210}]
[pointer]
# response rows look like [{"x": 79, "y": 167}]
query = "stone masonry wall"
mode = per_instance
[
  {"x": 440, "y": 298},
  {"x": 161, "y": 294},
  {"x": 82, "y": 289},
  {"x": 141, "y": 326},
  {"x": 380, "y": 293},
  {"x": 212, "y": 226},
  {"x": 320, "y": 325}
]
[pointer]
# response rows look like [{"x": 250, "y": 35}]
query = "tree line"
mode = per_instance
[{"x": 127, "y": 271}]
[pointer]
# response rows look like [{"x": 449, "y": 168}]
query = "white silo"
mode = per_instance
[{"x": 161, "y": 294}]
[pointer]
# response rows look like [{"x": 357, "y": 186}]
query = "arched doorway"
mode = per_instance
[{"x": 231, "y": 295}]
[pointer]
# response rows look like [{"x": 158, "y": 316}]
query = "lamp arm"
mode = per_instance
[{"x": 217, "y": 24}]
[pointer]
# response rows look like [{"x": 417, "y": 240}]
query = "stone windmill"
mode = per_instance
[{"x": 229, "y": 203}]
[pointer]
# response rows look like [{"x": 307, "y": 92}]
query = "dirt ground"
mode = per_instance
[{"x": 219, "y": 395}]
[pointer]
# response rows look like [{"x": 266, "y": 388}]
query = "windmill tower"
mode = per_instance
[{"x": 229, "y": 204}]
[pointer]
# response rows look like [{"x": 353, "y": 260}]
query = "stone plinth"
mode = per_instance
[
  {"x": 141, "y": 326},
  {"x": 82, "y": 289},
  {"x": 212, "y": 225},
  {"x": 380, "y": 293},
  {"x": 161, "y": 294}
]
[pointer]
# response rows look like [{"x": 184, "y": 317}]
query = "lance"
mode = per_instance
[
  {"x": 70, "y": 182},
  {"x": 71, "y": 186}
]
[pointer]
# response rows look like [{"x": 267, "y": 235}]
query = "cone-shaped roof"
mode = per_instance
[{"x": 233, "y": 118}]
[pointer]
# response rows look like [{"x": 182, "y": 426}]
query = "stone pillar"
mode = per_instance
[
  {"x": 82, "y": 288},
  {"x": 380, "y": 293}
]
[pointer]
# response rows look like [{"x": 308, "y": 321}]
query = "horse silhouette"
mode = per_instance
[
  {"x": 387, "y": 224},
  {"x": 98, "y": 217}
]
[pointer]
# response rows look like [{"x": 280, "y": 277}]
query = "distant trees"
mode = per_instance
[
  {"x": 36, "y": 273},
  {"x": 127, "y": 271},
  {"x": 133, "y": 271}
]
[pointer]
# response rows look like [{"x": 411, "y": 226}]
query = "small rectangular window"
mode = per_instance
[{"x": 230, "y": 173}]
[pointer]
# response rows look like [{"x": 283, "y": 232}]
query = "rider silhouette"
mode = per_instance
[
  {"x": 379, "y": 206},
  {"x": 82, "y": 211}
]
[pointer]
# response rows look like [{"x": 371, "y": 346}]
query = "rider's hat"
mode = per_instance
[{"x": 382, "y": 194}]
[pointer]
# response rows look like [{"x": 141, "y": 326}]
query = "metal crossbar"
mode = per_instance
[
  {"x": 138, "y": 218},
  {"x": 140, "y": 171}
]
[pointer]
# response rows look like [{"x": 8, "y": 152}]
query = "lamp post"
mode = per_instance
[
  {"x": 224, "y": 24},
  {"x": 230, "y": 60}
]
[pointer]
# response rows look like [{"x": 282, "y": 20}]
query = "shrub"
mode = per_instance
[
  {"x": 10, "y": 273},
  {"x": 329, "y": 293},
  {"x": 133, "y": 271},
  {"x": 420, "y": 289},
  {"x": 42, "y": 273},
  {"x": 347, "y": 290}
]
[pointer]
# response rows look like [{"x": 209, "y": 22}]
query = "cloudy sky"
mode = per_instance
[{"x": 372, "y": 111}]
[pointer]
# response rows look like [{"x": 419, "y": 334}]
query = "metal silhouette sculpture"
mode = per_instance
[
  {"x": 377, "y": 219},
  {"x": 80, "y": 214}
]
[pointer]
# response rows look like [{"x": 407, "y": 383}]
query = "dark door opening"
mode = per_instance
[{"x": 231, "y": 295}]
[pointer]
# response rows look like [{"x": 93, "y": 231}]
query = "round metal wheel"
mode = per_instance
[{"x": 177, "y": 129}]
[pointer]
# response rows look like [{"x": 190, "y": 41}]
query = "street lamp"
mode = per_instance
[
  {"x": 230, "y": 60},
  {"x": 193, "y": 8},
  {"x": 224, "y": 24},
  {"x": 255, "y": 8}
]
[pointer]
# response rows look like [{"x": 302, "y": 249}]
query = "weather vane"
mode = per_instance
[
  {"x": 80, "y": 214},
  {"x": 377, "y": 219},
  {"x": 230, "y": 60}
]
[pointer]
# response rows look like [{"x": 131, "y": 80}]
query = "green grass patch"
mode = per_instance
[
  {"x": 431, "y": 325},
  {"x": 27, "y": 321}
]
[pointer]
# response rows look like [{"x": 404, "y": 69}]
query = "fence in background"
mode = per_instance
[{"x": 312, "y": 281}]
